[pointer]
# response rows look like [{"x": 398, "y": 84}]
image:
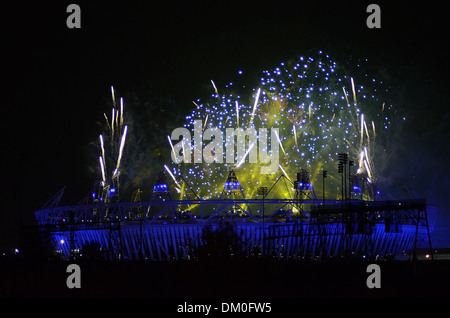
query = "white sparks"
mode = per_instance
[
  {"x": 237, "y": 113},
  {"x": 112, "y": 122},
  {"x": 295, "y": 135},
  {"x": 353, "y": 89},
  {"x": 171, "y": 174},
  {"x": 215, "y": 88},
  {"x": 113, "y": 97},
  {"x": 279, "y": 141},
  {"x": 254, "y": 106},
  {"x": 102, "y": 167},
  {"x": 245, "y": 156},
  {"x": 367, "y": 169},
  {"x": 362, "y": 128},
  {"x": 198, "y": 107},
  {"x": 122, "y": 143},
  {"x": 284, "y": 172},
  {"x": 121, "y": 112},
  {"x": 173, "y": 149}
]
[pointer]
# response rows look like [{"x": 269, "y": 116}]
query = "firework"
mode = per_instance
[
  {"x": 173, "y": 177},
  {"x": 254, "y": 107},
  {"x": 307, "y": 100},
  {"x": 121, "y": 112},
  {"x": 113, "y": 97},
  {"x": 112, "y": 145},
  {"x": 237, "y": 113},
  {"x": 102, "y": 168},
  {"x": 245, "y": 155},
  {"x": 285, "y": 173},
  {"x": 122, "y": 144}
]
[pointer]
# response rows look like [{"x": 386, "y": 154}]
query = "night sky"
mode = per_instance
[{"x": 56, "y": 81}]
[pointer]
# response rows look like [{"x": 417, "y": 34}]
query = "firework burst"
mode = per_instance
[
  {"x": 320, "y": 107},
  {"x": 112, "y": 143}
]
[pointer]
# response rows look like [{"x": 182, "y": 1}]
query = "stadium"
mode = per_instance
[
  {"x": 303, "y": 228},
  {"x": 204, "y": 210}
]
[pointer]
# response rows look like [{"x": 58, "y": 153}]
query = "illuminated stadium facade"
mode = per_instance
[{"x": 301, "y": 228}]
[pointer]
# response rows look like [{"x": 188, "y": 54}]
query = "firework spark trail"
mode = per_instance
[
  {"x": 361, "y": 159},
  {"x": 350, "y": 145},
  {"x": 373, "y": 127},
  {"x": 309, "y": 112},
  {"x": 117, "y": 120},
  {"x": 237, "y": 113},
  {"x": 103, "y": 149},
  {"x": 206, "y": 121},
  {"x": 362, "y": 130},
  {"x": 345, "y": 94},
  {"x": 113, "y": 97},
  {"x": 102, "y": 167},
  {"x": 367, "y": 132},
  {"x": 122, "y": 144},
  {"x": 353, "y": 89},
  {"x": 171, "y": 174},
  {"x": 112, "y": 123},
  {"x": 368, "y": 163},
  {"x": 279, "y": 141},
  {"x": 171, "y": 146},
  {"x": 184, "y": 151},
  {"x": 107, "y": 121},
  {"x": 215, "y": 88},
  {"x": 254, "y": 107},
  {"x": 367, "y": 169},
  {"x": 245, "y": 156},
  {"x": 284, "y": 172},
  {"x": 295, "y": 135},
  {"x": 121, "y": 112}
]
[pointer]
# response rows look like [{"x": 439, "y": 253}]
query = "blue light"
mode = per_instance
[{"x": 160, "y": 188}]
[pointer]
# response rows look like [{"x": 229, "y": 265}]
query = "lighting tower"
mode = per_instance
[
  {"x": 232, "y": 186},
  {"x": 303, "y": 186},
  {"x": 161, "y": 189}
]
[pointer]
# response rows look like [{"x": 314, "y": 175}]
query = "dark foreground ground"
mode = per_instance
[{"x": 255, "y": 279}]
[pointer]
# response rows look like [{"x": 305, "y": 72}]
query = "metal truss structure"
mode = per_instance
[{"x": 166, "y": 229}]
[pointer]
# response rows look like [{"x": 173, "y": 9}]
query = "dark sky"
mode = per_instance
[{"x": 56, "y": 81}]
